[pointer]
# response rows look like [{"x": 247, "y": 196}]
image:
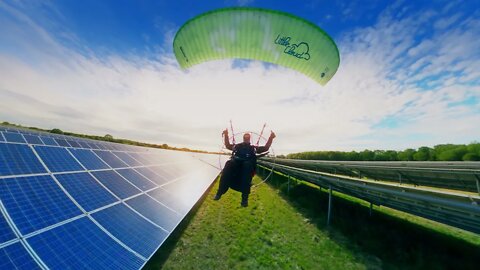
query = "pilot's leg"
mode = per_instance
[
  {"x": 224, "y": 180},
  {"x": 247, "y": 174}
]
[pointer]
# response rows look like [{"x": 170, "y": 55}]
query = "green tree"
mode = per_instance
[
  {"x": 406, "y": 155},
  {"x": 423, "y": 154},
  {"x": 471, "y": 157},
  {"x": 367, "y": 155},
  {"x": 474, "y": 148},
  {"x": 108, "y": 137},
  {"x": 56, "y": 131},
  {"x": 453, "y": 154}
]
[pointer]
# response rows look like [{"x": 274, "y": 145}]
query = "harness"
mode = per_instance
[{"x": 244, "y": 152}]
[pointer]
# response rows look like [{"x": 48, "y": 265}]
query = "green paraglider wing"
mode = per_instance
[{"x": 258, "y": 34}]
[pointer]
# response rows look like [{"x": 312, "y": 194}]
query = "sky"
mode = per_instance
[{"x": 409, "y": 75}]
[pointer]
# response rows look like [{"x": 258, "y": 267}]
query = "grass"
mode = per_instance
[{"x": 281, "y": 230}]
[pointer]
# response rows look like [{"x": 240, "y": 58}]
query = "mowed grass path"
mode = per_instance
[{"x": 269, "y": 234}]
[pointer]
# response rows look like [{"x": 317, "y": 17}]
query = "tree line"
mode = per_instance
[{"x": 441, "y": 152}]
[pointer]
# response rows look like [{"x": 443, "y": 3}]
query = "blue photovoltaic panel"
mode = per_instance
[
  {"x": 1, "y": 137},
  {"x": 69, "y": 239},
  {"x": 130, "y": 228},
  {"x": 116, "y": 184},
  {"x": 127, "y": 159},
  {"x": 123, "y": 147},
  {"x": 93, "y": 145},
  {"x": 141, "y": 158},
  {"x": 169, "y": 200},
  {"x": 100, "y": 145},
  {"x": 6, "y": 233},
  {"x": 111, "y": 159},
  {"x": 62, "y": 142},
  {"x": 165, "y": 172},
  {"x": 154, "y": 211},
  {"x": 73, "y": 143},
  {"x": 179, "y": 168},
  {"x": 35, "y": 202},
  {"x": 31, "y": 139},
  {"x": 83, "y": 144},
  {"x": 15, "y": 256},
  {"x": 137, "y": 179},
  {"x": 81, "y": 244},
  {"x": 85, "y": 190},
  {"x": 88, "y": 159},
  {"x": 111, "y": 146},
  {"x": 14, "y": 137},
  {"x": 48, "y": 141},
  {"x": 18, "y": 159},
  {"x": 58, "y": 159},
  {"x": 103, "y": 146},
  {"x": 159, "y": 179}
]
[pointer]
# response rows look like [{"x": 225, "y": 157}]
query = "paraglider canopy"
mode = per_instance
[{"x": 258, "y": 34}]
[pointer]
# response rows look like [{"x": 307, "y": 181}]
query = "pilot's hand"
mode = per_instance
[
  {"x": 272, "y": 135},
  {"x": 225, "y": 132}
]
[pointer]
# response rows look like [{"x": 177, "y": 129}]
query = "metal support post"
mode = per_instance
[
  {"x": 478, "y": 184},
  {"x": 371, "y": 206},
  {"x": 329, "y": 204},
  {"x": 288, "y": 186}
]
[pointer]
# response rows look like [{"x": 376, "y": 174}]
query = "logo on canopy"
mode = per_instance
[{"x": 299, "y": 50}]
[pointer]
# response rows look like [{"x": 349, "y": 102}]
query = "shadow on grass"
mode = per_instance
[
  {"x": 161, "y": 255},
  {"x": 398, "y": 243}
]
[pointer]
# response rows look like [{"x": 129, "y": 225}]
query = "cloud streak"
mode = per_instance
[{"x": 394, "y": 69}]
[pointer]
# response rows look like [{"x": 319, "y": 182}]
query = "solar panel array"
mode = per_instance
[
  {"x": 464, "y": 176},
  {"x": 68, "y": 202},
  {"x": 457, "y": 209}
]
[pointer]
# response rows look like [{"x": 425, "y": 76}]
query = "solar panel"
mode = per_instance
[
  {"x": 137, "y": 179},
  {"x": 66, "y": 206},
  {"x": 48, "y": 141},
  {"x": 150, "y": 174},
  {"x": 35, "y": 202},
  {"x": 130, "y": 228},
  {"x": 73, "y": 143},
  {"x": 125, "y": 157},
  {"x": 13, "y": 137},
  {"x": 111, "y": 159},
  {"x": 163, "y": 196},
  {"x": 6, "y": 233},
  {"x": 58, "y": 159},
  {"x": 88, "y": 159},
  {"x": 81, "y": 244},
  {"x": 116, "y": 184},
  {"x": 32, "y": 139},
  {"x": 141, "y": 158},
  {"x": 84, "y": 144},
  {"x": 62, "y": 142},
  {"x": 163, "y": 170},
  {"x": 18, "y": 159},
  {"x": 86, "y": 190},
  {"x": 15, "y": 256},
  {"x": 154, "y": 211}
]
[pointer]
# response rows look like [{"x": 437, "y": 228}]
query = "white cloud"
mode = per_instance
[{"x": 47, "y": 84}]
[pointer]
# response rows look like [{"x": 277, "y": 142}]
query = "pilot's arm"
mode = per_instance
[{"x": 228, "y": 145}]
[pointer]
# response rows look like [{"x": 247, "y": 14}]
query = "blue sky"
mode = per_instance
[{"x": 409, "y": 75}]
